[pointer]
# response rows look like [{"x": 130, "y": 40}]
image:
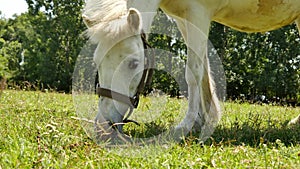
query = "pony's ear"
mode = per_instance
[
  {"x": 87, "y": 21},
  {"x": 134, "y": 19}
]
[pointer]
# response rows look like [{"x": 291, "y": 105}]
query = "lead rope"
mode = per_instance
[{"x": 126, "y": 120}]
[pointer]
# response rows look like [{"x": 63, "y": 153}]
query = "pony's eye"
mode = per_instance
[{"x": 133, "y": 64}]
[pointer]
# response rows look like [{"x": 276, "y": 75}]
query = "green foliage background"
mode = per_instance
[
  {"x": 51, "y": 41},
  {"x": 50, "y": 35}
]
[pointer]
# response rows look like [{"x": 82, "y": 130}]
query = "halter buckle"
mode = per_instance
[{"x": 135, "y": 101}]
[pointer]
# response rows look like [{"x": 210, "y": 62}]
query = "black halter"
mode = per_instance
[{"x": 146, "y": 79}]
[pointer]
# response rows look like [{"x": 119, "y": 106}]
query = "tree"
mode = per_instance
[
  {"x": 57, "y": 42},
  {"x": 259, "y": 63},
  {"x": 169, "y": 45},
  {"x": 3, "y": 60}
]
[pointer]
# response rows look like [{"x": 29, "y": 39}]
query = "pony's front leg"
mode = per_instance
[
  {"x": 204, "y": 110},
  {"x": 297, "y": 119},
  {"x": 203, "y": 101}
]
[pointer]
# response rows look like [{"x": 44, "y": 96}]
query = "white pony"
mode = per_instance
[{"x": 116, "y": 25}]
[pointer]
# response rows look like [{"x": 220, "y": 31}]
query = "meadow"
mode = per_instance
[{"x": 40, "y": 130}]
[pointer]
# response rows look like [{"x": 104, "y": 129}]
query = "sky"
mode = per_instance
[{"x": 11, "y": 7}]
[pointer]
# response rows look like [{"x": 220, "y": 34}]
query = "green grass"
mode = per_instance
[{"x": 38, "y": 131}]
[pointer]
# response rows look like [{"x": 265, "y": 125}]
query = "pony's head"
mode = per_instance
[{"x": 120, "y": 59}]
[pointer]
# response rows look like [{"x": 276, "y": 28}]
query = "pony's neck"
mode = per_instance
[{"x": 147, "y": 8}]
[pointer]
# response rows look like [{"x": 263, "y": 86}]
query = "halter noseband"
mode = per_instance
[{"x": 146, "y": 79}]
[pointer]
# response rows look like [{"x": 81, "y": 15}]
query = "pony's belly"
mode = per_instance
[{"x": 258, "y": 15}]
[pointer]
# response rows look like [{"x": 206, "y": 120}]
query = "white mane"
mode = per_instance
[{"x": 106, "y": 19}]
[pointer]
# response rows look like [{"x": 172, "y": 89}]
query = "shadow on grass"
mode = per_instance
[
  {"x": 252, "y": 134},
  {"x": 145, "y": 130}
]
